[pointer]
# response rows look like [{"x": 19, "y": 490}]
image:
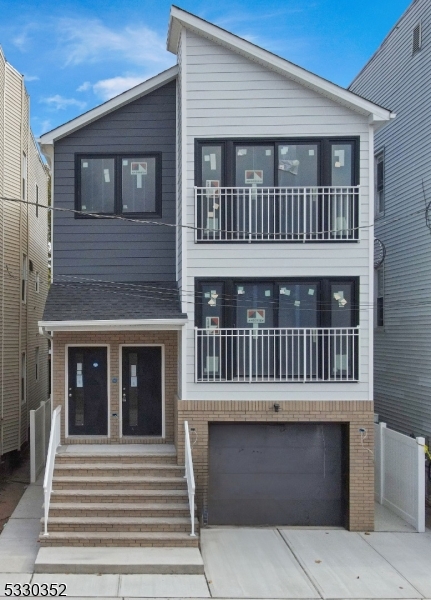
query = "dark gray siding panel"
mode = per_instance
[
  {"x": 277, "y": 474},
  {"x": 113, "y": 249}
]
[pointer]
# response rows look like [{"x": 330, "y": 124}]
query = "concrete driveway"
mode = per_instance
[{"x": 294, "y": 563}]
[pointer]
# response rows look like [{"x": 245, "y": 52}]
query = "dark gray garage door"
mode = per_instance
[{"x": 277, "y": 474}]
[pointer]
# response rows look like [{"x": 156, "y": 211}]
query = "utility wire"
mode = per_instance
[{"x": 379, "y": 222}]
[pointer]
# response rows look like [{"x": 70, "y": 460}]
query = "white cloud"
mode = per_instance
[
  {"x": 108, "y": 88},
  {"x": 92, "y": 41},
  {"x": 60, "y": 102},
  {"x": 84, "y": 87},
  {"x": 31, "y": 77}
]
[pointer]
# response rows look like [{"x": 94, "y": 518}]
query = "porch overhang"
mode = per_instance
[{"x": 47, "y": 327}]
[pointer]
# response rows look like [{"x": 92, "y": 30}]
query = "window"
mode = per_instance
[
  {"x": 277, "y": 330},
  {"x": 417, "y": 38},
  {"x": 379, "y": 176},
  {"x": 37, "y": 200},
  {"x": 24, "y": 277},
  {"x": 37, "y": 283},
  {"x": 23, "y": 378},
  {"x": 285, "y": 303},
  {"x": 280, "y": 163},
  {"x": 120, "y": 184},
  {"x": 36, "y": 364},
  {"x": 24, "y": 176},
  {"x": 380, "y": 296}
]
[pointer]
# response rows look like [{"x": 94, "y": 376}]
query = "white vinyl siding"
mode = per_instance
[{"x": 229, "y": 96}]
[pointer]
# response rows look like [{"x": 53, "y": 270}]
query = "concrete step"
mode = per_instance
[
  {"x": 120, "y": 524},
  {"x": 118, "y": 509},
  {"x": 119, "y": 539},
  {"x": 97, "y": 469},
  {"x": 120, "y": 495},
  {"x": 92, "y": 454},
  {"x": 163, "y": 561},
  {"x": 123, "y": 482}
]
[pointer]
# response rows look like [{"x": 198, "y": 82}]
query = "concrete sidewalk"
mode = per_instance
[{"x": 247, "y": 563}]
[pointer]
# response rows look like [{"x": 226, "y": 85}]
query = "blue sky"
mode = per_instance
[{"x": 76, "y": 54}]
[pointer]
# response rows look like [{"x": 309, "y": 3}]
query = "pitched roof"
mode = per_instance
[
  {"x": 109, "y": 301},
  {"x": 142, "y": 89},
  {"x": 181, "y": 18}
]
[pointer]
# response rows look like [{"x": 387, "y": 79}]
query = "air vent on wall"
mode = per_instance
[{"x": 417, "y": 38}]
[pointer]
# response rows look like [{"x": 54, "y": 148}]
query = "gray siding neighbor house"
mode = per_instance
[
  {"x": 398, "y": 76},
  {"x": 213, "y": 275}
]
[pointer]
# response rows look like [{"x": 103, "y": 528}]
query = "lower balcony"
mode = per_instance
[{"x": 252, "y": 355}]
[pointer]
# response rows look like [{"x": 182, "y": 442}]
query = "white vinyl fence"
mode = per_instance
[
  {"x": 40, "y": 426},
  {"x": 399, "y": 468}
]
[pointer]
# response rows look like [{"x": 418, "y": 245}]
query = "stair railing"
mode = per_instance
[
  {"x": 191, "y": 487},
  {"x": 54, "y": 442}
]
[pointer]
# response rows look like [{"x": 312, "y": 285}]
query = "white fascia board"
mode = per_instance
[
  {"x": 180, "y": 18},
  {"x": 144, "y": 88},
  {"x": 118, "y": 325}
]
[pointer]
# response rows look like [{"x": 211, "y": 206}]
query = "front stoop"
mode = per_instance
[
  {"x": 116, "y": 499},
  {"x": 162, "y": 561}
]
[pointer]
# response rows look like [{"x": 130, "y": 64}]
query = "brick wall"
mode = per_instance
[
  {"x": 357, "y": 414},
  {"x": 114, "y": 339}
]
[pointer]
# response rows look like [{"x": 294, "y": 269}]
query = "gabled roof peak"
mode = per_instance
[{"x": 180, "y": 18}]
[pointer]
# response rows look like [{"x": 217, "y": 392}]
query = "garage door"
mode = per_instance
[{"x": 277, "y": 474}]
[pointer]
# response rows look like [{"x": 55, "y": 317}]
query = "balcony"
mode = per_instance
[
  {"x": 282, "y": 355},
  {"x": 277, "y": 214}
]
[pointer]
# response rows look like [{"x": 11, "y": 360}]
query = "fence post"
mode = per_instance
[
  {"x": 382, "y": 430},
  {"x": 32, "y": 447},
  {"x": 421, "y": 484}
]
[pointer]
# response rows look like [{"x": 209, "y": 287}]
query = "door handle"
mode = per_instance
[{"x": 124, "y": 397}]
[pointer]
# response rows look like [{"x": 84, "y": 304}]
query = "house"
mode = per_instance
[
  {"x": 24, "y": 259},
  {"x": 396, "y": 76},
  {"x": 215, "y": 277}
]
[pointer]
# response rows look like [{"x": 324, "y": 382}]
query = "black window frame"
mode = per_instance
[
  {"x": 118, "y": 208},
  {"x": 379, "y": 186},
  {"x": 228, "y": 298},
  {"x": 324, "y": 155},
  {"x": 380, "y": 297}
]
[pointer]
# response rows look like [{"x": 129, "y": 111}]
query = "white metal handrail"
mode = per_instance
[
  {"x": 276, "y": 354},
  {"x": 277, "y": 214},
  {"x": 54, "y": 442},
  {"x": 190, "y": 477}
]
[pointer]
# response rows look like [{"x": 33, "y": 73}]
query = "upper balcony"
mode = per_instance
[{"x": 277, "y": 214}]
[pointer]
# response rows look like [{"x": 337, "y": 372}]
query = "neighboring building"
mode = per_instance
[
  {"x": 249, "y": 319},
  {"x": 24, "y": 260},
  {"x": 397, "y": 76}
]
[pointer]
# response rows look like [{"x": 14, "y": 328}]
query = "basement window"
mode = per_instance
[{"x": 417, "y": 38}]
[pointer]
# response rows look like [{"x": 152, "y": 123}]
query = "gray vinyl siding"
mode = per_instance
[
  {"x": 116, "y": 250},
  {"x": 230, "y": 96},
  {"x": 395, "y": 78}
]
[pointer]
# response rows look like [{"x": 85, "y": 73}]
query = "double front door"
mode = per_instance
[{"x": 141, "y": 406}]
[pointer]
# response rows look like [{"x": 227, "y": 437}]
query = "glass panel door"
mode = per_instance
[
  {"x": 255, "y": 214},
  {"x": 254, "y": 347},
  {"x": 342, "y": 350},
  {"x": 212, "y": 347},
  {"x": 297, "y": 168},
  {"x": 299, "y": 347},
  {"x": 341, "y": 211},
  {"x": 213, "y": 204}
]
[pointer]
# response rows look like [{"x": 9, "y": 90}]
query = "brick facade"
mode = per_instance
[
  {"x": 357, "y": 414},
  {"x": 114, "y": 339}
]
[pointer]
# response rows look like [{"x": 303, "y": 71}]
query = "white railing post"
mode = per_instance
[
  {"x": 196, "y": 212},
  {"x": 190, "y": 476},
  {"x": 54, "y": 442},
  {"x": 32, "y": 446},
  {"x": 421, "y": 484},
  {"x": 382, "y": 430}
]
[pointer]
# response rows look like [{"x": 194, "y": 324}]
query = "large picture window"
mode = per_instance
[
  {"x": 120, "y": 184},
  {"x": 277, "y": 330}
]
